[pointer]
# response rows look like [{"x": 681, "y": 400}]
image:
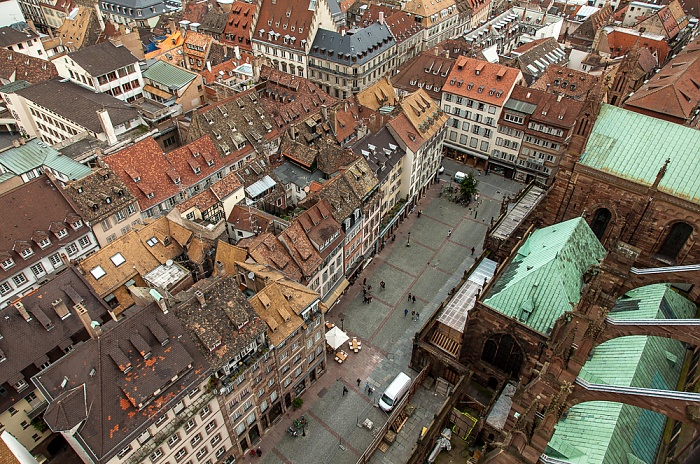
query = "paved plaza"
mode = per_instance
[{"x": 428, "y": 269}]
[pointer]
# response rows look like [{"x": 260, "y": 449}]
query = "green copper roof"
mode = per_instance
[
  {"x": 545, "y": 278},
  {"x": 635, "y": 147},
  {"x": 168, "y": 75},
  {"x": 601, "y": 432},
  {"x": 34, "y": 154}
]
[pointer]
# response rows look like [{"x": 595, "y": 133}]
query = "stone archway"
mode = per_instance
[
  {"x": 600, "y": 221},
  {"x": 675, "y": 240},
  {"x": 503, "y": 352}
]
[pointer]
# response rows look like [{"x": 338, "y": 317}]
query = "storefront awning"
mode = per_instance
[{"x": 333, "y": 296}]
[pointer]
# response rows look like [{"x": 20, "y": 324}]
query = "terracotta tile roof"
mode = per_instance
[
  {"x": 273, "y": 308},
  {"x": 371, "y": 12},
  {"x": 345, "y": 119},
  {"x": 90, "y": 195},
  {"x": 21, "y": 67},
  {"x": 426, "y": 116},
  {"x": 169, "y": 44},
  {"x": 254, "y": 220},
  {"x": 379, "y": 94},
  {"x": 226, "y": 67},
  {"x": 226, "y": 186},
  {"x": 535, "y": 57},
  {"x": 37, "y": 205},
  {"x": 403, "y": 26},
  {"x": 228, "y": 255},
  {"x": 228, "y": 123},
  {"x": 619, "y": 41},
  {"x": 79, "y": 30},
  {"x": 289, "y": 98},
  {"x": 551, "y": 109},
  {"x": 568, "y": 82},
  {"x": 313, "y": 144},
  {"x": 141, "y": 255},
  {"x": 96, "y": 382},
  {"x": 690, "y": 7},
  {"x": 425, "y": 71},
  {"x": 267, "y": 249},
  {"x": 481, "y": 81},
  {"x": 427, "y": 9},
  {"x": 202, "y": 201},
  {"x": 404, "y": 130},
  {"x": 194, "y": 11},
  {"x": 673, "y": 91},
  {"x": 240, "y": 25},
  {"x": 301, "y": 248},
  {"x": 290, "y": 19},
  {"x": 454, "y": 47},
  {"x": 214, "y": 21},
  {"x": 197, "y": 44},
  {"x": 163, "y": 175}
]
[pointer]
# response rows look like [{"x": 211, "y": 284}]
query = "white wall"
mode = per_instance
[{"x": 10, "y": 13}]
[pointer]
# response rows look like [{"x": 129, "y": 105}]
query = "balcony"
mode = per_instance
[{"x": 36, "y": 410}]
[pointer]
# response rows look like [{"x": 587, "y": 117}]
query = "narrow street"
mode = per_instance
[{"x": 438, "y": 254}]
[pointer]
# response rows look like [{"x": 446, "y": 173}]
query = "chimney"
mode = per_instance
[
  {"x": 92, "y": 327},
  {"x": 208, "y": 65},
  {"x": 15, "y": 143},
  {"x": 547, "y": 89},
  {"x": 220, "y": 269},
  {"x": 381, "y": 18},
  {"x": 324, "y": 112},
  {"x": 200, "y": 297},
  {"x": 342, "y": 31},
  {"x": 61, "y": 309},
  {"x": 23, "y": 311},
  {"x": 107, "y": 127},
  {"x": 237, "y": 52},
  {"x": 22, "y": 141}
]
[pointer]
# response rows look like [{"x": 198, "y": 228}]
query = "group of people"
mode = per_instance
[{"x": 366, "y": 289}]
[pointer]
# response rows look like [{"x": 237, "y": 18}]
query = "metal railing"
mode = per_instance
[
  {"x": 652, "y": 322},
  {"x": 648, "y": 392},
  {"x": 663, "y": 270},
  {"x": 379, "y": 434}
]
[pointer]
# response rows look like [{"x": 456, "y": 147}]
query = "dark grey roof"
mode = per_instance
[
  {"x": 10, "y": 36},
  {"x": 364, "y": 44},
  {"x": 24, "y": 342},
  {"x": 114, "y": 394},
  {"x": 380, "y": 149},
  {"x": 520, "y": 106},
  {"x": 135, "y": 5},
  {"x": 102, "y": 58},
  {"x": 227, "y": 326},
  {"x": 78, "y": 104},
  {"x": 291, "y": 173}
]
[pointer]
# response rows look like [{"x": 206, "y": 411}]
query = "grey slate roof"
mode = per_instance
[
  {"x": 102, "y": 58},
  {"x": 10, "y": 36},
  {"x": 143, "y": 5},
  {"x": 386, "y": 152},
  {"x": 78, "y": 104},
  {"x": 338, "y": 48}
]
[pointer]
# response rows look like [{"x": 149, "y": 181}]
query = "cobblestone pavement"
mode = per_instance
[{"x": 428, "y": 268}]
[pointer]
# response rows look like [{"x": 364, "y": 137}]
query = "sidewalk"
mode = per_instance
[{"x": 428, "y": 269}]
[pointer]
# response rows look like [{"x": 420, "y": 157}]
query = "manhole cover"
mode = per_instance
[{"x": 322, "y": 392}]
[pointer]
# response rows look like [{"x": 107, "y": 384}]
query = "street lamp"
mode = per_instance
[
  {"x": 341, "y": 324},
  {"x": 408, "y": 242}
]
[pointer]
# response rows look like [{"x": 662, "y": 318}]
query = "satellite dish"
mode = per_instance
[
  {"x": 251, "y": 275},
  {"x": 169, "y": 262}
]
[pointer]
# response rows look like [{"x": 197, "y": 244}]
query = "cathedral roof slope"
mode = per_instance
[
  {"x": 545, "y": 278},
  {"x": 600, "y": 431},
  {"x": 635, "y": 147}
]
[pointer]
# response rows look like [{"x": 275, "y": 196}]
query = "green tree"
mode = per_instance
[{"x": 468, "y": 187}]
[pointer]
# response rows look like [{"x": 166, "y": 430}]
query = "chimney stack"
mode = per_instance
[
  {"x": 324, "y": 112},
  {"x": 237, "y": 52},
  {"x": 93, "y": 328},
  {"x": 208, "y": 65},
  {"x": 381, "y": 18},
  {"x": 23, "y": 311},
  {"x": 200, "y": 297},
  {"x": 107, "y": 127},
  {"x": 220, "y": 269},
  {"x": 61, "y": 309}
]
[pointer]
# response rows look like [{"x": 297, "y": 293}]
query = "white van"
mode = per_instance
[
  {"x": 460, "y": 176},
  {"x": 395, "y": 391}
]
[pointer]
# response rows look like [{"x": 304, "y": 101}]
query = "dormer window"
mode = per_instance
[
  {"x": 7, "y": 263},
  {"x": 210, "y": 163},
  {"x": 45, "y": 242},
  {"x": 97, "y": 272},
  {"x": 78, "y": 224},
  {"x": 149, "y": 195},
  {"x": 152, "y": 241},
  {"x": 61, "y": 233},
  {"x": 197, "y": 170},
  {"x": 108, "y": 200}
]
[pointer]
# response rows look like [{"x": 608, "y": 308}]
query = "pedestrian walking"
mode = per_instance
[
  {"x": 382, "y": 285},
  {"x": 413, "y": 315},
  {"x": 409, "y": 297},
  {"x": 449, "y": 233},
  {"x": 345, "y": 390},
  {"x": 364, "y": 281},
  {"x": 370, "y": 298},
  {"x": 414, "y": 298},
  {"x": 473, "y": 250},
  {"x": 369, "y": 288},
  {"x": 364, "y": 291},
  {"x": 417, "y": 315},
  {"x": 358, "y": 383},
  {"x": 405, "y": 312}
]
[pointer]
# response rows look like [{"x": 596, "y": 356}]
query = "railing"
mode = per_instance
[
  {"x": 36, "y": 410},
  {"x": 379, "y": 434},
  {"x": 648, "y": 392},
  {"x": 180, "y": 418},
  {"x": 652, "y": 322},
  {"x": 663, "y": 270}
]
